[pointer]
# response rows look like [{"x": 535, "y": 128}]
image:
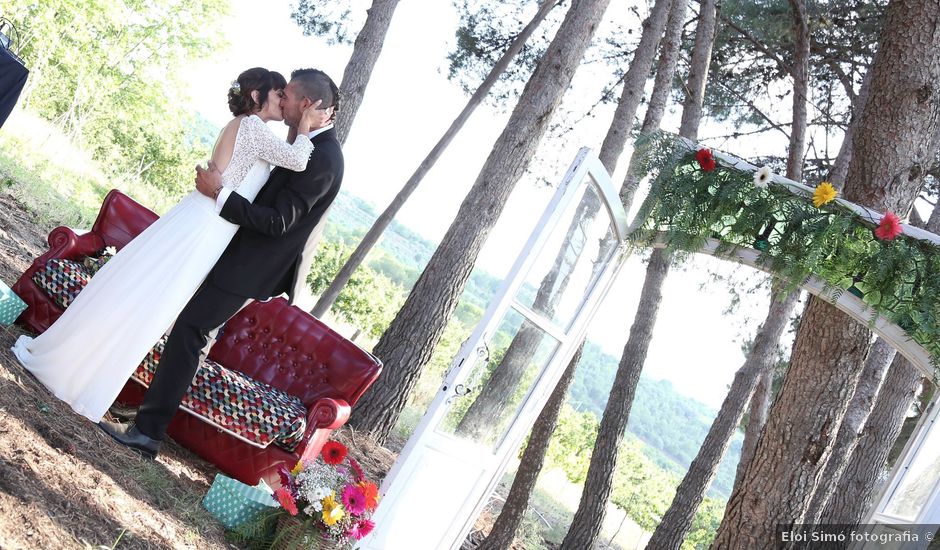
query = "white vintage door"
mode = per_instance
[{"x": 504, "y": 373}]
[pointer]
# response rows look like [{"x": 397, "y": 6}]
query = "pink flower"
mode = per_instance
[
  {"x": 889, "y": 228},
  {"x": 360, "y": 475},
  {"x": 354, "y": 499},
  {"x": 360, "y": 529},
  {"x": 287, "y": 500}
]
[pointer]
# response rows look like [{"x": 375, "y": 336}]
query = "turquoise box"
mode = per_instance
[
  {"x": 10, "y": 305},
  {"x": 233, "y": 503}
]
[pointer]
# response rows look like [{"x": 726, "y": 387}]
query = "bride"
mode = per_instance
[{"x": 86, "y": 356}]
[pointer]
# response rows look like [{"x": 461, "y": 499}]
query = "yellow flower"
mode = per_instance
[
  {"x": 332, "y": 510},
  {"x": 824, "y": 194},
  {"x": 298, "y": 468}
]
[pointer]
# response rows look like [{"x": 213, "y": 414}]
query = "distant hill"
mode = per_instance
[{"x": 672, "y": 425}]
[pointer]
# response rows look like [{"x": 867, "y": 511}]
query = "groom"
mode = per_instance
[{"x": 265, "y": 258}]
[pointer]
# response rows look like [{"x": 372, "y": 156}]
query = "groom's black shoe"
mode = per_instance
[
  {"x": 123, "y": 412},
  {"x": 130, "y": 436}
]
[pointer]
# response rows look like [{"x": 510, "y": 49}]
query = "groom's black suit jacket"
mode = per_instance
[{"x": 265, "y": 258}]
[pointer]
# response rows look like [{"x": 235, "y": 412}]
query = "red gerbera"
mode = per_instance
[
  {"x": 333, "y": 452},
  {"x": 371, "y": 492},
  {"x": 360, "y": 475},
  {"x": 287, "y": 501},
  {"x": 360, "y": 529},
  {"x": 705, "y": 159},
  {"x": 889, "y": 228}
]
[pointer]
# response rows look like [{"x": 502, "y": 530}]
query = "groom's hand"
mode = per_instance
[{"x": 208, "y": 182}]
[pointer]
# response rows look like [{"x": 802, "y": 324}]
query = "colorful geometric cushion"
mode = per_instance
[
  {"x": 62, "y": 280},
  {"x": 252, "y": 410}
]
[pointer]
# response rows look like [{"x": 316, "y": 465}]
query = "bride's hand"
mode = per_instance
[{"x": 314, "y": 118}]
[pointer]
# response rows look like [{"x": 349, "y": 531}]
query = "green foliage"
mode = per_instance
[
  {"x": 572, "y": 443},
  {"x": 333, "y": 20},
  {"x": 99, "y": 73},
  {"x": 899, "y": 279},
  {"x": 370, "y": 299},
  {"x": 486, "y": 30}
]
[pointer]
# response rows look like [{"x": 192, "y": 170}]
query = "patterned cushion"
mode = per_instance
[
  {"x": 252, "y": 410},
  {"x": 62, "y": 280}
]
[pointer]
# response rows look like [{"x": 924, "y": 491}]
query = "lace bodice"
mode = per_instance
[{"x": 255, "y": 143}]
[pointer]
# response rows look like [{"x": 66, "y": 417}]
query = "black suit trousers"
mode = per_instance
[{"x": 208, "y": 309}]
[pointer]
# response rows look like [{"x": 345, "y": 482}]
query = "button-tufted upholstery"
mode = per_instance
[
  {"x": 272, "y": 342},
  {"x": 119, "y": 220}
]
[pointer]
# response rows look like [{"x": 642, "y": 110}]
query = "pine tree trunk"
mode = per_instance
[
  {"x": 876, "y": 365},
  {"x": 491, "y": 404},
  {"x": 533, "y": 458},
  {"x": 677, "y": 520},
  {"x": 756, "y": 419},
  {"x": 532, "y": 462},
  {"x": 894, "y": 141},
  {"x": 675, "y": 524},
  {"x": 328, "y": 297},
  {"x": 407, "y": 344},
  {"x": 589, "y": 517},
  {"x": 853, "y": 496},
  {"x": 665, "y": 73},
  {"x": 840, "y": 168},
  {"x": 698, "y": 69},
  {"x": 358, "y": 71}
]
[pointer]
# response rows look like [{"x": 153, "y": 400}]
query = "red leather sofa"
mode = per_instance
[{"x": 271, "y": 342}]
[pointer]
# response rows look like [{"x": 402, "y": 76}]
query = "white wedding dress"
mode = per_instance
[{"x": 86, "y": 356}]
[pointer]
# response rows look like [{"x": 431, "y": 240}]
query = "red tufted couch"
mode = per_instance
[{"x": 271, "y": 342}]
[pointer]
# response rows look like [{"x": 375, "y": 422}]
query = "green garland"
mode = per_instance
[{"x": 899, "y": 279}]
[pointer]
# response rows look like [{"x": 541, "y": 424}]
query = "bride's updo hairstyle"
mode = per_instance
[{"x": 257, "y": 79}]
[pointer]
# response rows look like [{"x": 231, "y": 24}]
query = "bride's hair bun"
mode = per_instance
[{"x": 257, "y": 79}]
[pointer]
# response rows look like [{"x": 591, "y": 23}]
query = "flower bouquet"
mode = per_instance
[{"x": 326, "y": 503}]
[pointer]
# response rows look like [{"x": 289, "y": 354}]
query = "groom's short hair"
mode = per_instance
[{"x": 316, "y": 84}]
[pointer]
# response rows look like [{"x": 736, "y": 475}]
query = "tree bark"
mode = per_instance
[
  {"x": 876, "y": 365},
  {"x": 840, "y": 168},
  {"x": 665, "y": 74},
  {"x": 853, "y": 496},
  {"x": 371, "y": 238},
  {"x": 677, "y": 520},
  {"x": 533, "y": 458},
  {"x": 491, "y": 404},
  {"x": 698, "y": 70},
  {"x": 756, "y": 419},
  {"x": 358, "y": 71},
  {"x": 589, "y": 517},
  {"x": 406, "y": 345},
  {"x": 894, "y": 142},
  {"x": 800, "y": 74}
]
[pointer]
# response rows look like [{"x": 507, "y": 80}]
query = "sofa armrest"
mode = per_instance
[
  {"x": 66, "y": 243},
  {"x": 328, "y": 414}
]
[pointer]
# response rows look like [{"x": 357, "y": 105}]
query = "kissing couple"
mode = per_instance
[{"x": 246, "y": 232}]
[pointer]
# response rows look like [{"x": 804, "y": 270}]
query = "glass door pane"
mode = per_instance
[
  {"x": 513, "y": 359},
  {"x": 573, "y": 257}
]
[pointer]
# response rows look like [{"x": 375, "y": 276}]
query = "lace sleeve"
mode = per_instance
[{"x": 262, "y": 141}]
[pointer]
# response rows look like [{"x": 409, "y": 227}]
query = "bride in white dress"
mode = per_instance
[{"x": 86, "y": 356}]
